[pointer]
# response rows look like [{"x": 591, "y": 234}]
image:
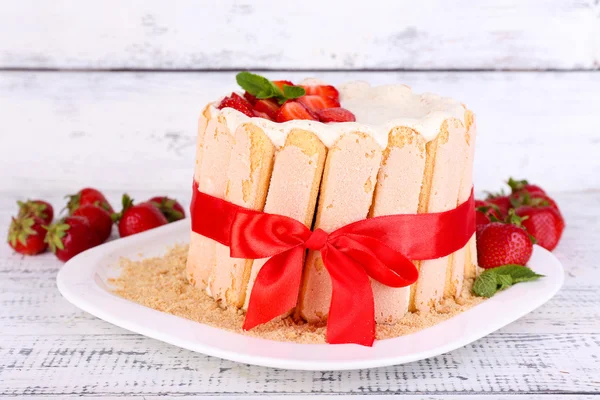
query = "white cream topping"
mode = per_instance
[{"x": 378, "y": 110}]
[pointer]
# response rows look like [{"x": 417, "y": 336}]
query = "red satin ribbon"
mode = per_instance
[{"x": 381, "y": 248}]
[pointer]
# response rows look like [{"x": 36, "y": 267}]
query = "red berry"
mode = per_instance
[
  {"x": 523, "y": 185},
  {"x": 251, "y": 99},
  {"x": 323, "y": 91},
  {"x": 315, "y": 103},
  {"x": 99, "y": 219},
  {"x": 501, "y": 244},
  {"x": 237, "y": 102},
  {"x": 139, "y": 218},
  {"x": 170, "y": 208},
  {"x": 337, "y": 114},
  {"x": 36, "y": 208},
  {"x": 26, "y": 235},
  {"x": 71, "y": 236},
  {"x": 280, "y": 84},
  {"x": 88, "y": 196},
  {"x": 259, "y": 114},
  {"x": 293, "y": 110},
  {"x": 502, "y": 202},
  {"x": 544, "y": 223},
  {"x": 267, "y": 106}
]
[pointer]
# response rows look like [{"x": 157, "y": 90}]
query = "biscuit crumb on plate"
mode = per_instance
[{"x": 161, "y": 283}]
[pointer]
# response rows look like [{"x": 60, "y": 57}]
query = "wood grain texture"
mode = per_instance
[
  {"x": 50, "y": 348},
  {"x": 62, "y": 131},
  {"x": 311, "y": 34}
]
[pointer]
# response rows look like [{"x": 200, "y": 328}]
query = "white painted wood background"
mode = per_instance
[
  {"x": 85, "y": 100},
  {"x": 307, "y": 34}
]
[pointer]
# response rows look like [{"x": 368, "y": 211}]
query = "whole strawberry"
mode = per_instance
[
  {"x": 88, "y": 196},
  {"x": 518, "y": 186},
  {"x": 500, "y": 244},
  {"x": 170, "y": 208},
  {"x": 544, "y": 223},
  {"x": 70, "y": 236},
  {"x": 99, "y": 219},
  {"x": 26, "y": 235},
  {"x": 502, "y": 202},
  {"x": 138, "y": 218},
  {"x": 36, "y": 208}
]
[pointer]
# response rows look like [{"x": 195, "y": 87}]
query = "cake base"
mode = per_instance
[{"x": 161, "y": 283}]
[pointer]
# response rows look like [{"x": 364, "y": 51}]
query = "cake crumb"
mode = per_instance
[{"x": 161, "y": 283}]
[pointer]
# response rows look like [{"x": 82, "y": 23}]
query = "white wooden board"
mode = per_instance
[
  {"x": 307, "y": 34},
  {"x": 137, "y": 130},
  {"x": 50, "y": 348}
]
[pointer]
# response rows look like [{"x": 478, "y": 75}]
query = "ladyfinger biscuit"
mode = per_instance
[
  {"x": 471, "y": 268},
  {"x": 213, "y": 153},
  {"x": 345, "y": 196},
  {"x": 294, "y": 186},
  {"x": 248, "y": 178},
  {"x": 455, "y": 275},
  {"x": 397, "y": 192},
  {"x": 439, "y": 192}
]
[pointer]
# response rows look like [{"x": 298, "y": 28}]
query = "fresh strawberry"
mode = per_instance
[
  {"x": 88, "y": 196},
  {"x": 486, "y": 212},
  {"x": 501, "y": 244},
  {"x": 267, "y": 106},
  {"x": 524, "y": 186},
  {"x": 237, "y": 102},
  {"x": 323, "y": 91},
  {"x": 170, "y": 208},
  {"x": 99, "y": 219},
  {"x": 36, "y": 208},
  {"x": 251, "y": 99},
  {"x": 524, "y": 198},
  {"x": 336, "y": 114},
  {"x": 294, "y": 110},
  {"x": 315, "y": 103},
  {"x": 71, "y": 236},
  {"x": 26, "y": 235},
  {"x": 259, "y": 114},
  {"x": 280, "y": 84},
  {"x": 544, "y": 223},
  {"x": 138, "y": 218},
  {"x": 502, "y": 202}
]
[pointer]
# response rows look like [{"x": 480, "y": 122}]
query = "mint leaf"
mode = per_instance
[
  {"x": 485, "y": 285},
  {"x": 504, "y": 281},
  {"x": 262, "y": 88},
  {"x": 293, "y": 92},
  {"x": 500, "y": 278},
  {"x": 256, "y": 85}
]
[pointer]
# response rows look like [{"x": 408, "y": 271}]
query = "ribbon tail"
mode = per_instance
[
  {"x": 276, "y": 288},
  {"x": 352, "y": 311}
]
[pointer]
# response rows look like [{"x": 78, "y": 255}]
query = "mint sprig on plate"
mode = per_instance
[
  {"x": 262, "y": 88},
  {"x": 494, "y": 279}
]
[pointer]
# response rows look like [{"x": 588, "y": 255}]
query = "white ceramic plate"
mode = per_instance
[{"x": 84, "y": 282}]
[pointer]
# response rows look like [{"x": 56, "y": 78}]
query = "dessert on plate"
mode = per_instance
[{"x": 327, "y": 157}]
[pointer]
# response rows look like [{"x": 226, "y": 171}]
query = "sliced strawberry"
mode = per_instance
[
  {"x": 337, "y": 114},
  {"x": 323, "y": 91},
  {"x": 280, "y": 84},
  {"x": 294, "y": 110},
  {"x": 315, "y": 103},
  {"x": 237, "y": 102},
  {"x": 251, "y": 99},
  {"x": 267, "y": 106},
  {"x": 259, "y": 114}
]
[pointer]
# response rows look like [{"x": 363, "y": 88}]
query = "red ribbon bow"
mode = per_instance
[{"x": 381, "y": 248}]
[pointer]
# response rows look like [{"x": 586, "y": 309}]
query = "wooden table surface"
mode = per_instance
[{"x": 107, "y": 94}]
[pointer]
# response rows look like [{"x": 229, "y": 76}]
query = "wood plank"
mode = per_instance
[
  {"x": 49, "y": 348},
  {"x": 64, "y": 131},
  {"x": 504, "y": 34}
]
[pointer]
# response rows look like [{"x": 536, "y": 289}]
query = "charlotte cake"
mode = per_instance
[{"x": 387, "y": 151}]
